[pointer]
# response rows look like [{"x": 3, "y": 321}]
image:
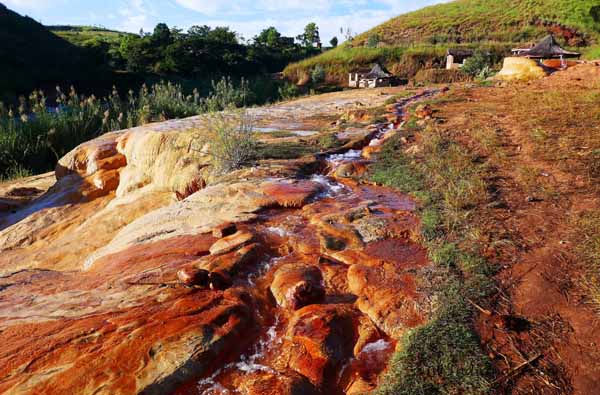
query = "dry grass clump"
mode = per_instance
[{"x": 588, "y": 247}]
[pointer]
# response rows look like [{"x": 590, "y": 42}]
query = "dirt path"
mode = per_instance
[{"x": 554, "y": 327}]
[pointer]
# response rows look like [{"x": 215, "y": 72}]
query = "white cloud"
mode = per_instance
[
  {"x": 135, "y": 15},
  {"x": 32, "y": 5},
  {"x": 248, "y": 17}
]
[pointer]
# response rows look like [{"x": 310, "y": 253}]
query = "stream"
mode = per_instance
[{"x": 294, "y": 237}]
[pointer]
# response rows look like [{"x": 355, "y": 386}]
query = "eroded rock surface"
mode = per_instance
[{"x": 140, "y": 270}]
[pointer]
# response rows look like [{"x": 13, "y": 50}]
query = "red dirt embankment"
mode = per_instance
[{"x": 539, "y": 140}]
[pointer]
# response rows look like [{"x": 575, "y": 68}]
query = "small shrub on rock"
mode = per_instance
[
  {"x": 231, "y": 139},
  {"x": 318, "y": 74}
]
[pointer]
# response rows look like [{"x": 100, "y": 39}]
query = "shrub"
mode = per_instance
[
  {"x": 225, "y": 95},
  {"x": 231, "y": 140},
  {"x": 318, "y": 74},
  {"x": 373, "y": 40},
  {"x": 288, "y": 91},
  {"x": 478, "y": 64}
]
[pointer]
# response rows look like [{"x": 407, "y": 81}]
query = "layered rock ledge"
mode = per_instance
[{"x": 135, "y": 268}]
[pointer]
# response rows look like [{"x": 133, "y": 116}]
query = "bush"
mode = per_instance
[
  {"x": 288, "y": 91},
  {"x": 318, "y": 74},
  {"x": 225, "y": 95},
  {"x": 231, "y": 140},
  {"x": 373, "y": 41},
  {"x": 478, "y": 65}
]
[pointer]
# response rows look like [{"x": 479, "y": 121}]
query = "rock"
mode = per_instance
[
  {"x": 359, "y": 386},
  {"x": 134, "y": 267},
  {"x": 231, "y": 263},
  {"x": 371, "y": 228},
  {"x": 276, "y": 383},
  {"x": 519, "y": 68},
  {"x": 193, "y": 276},
  {"x": 354, "y": 169},
  {"x": 224, "y": 230},
  {"x": 232, "y": 242},
  {"x": 294, "y": 286},
  {"x": 321, "y": 340},
  {"x": 219, "y": 280},
  {"x": 424, "y": 111},
  {"x": 388, "y": 298}
]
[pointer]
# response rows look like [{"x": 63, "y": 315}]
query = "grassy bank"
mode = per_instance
[
  {"x": 34, "y": 136},
  {"x": 402, "y": 61},
  {"x": 443, "y": 356}
]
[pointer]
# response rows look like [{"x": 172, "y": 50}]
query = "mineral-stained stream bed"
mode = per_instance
[{"x": 337, "y": 283}]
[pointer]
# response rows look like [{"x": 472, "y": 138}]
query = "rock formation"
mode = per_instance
[{"x": 140, "y": 270}]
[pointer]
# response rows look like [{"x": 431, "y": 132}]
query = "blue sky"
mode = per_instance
[{"x": 247, "y": 17}]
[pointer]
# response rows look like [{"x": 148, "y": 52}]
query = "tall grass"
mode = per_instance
[
  {"x": 35, "y": 135},
  {"x": 443, "y": 356}
]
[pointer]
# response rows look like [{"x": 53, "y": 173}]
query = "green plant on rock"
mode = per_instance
[
  {"x": 231, "y": 140},
  {"x": 318, "y": 74}
]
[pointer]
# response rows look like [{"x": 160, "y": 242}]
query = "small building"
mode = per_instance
[
  {"x": 374, "y": 78},
  {"x": 545, "y": 51},
  {"x": 455, "y": 58}
]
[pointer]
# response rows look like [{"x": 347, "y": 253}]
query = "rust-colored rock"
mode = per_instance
[
  {"x": 322, "y": 338},
  {"x": 193, "y": 276},
  {"x": 121, "y": 275},
  {"x": 424, "y": 111},
  {"x": 232, "y": 242},
  {"x": 224, "y": 230},
  {"x": 297, "y": 286},
  {"x": 275, "y": 383}
]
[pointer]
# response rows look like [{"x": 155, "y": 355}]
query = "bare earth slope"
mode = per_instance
[{"x": 540, "y": 142}]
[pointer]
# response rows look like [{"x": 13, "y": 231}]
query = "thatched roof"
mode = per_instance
[
  {"x": 460, "y": 54},
  {"x": 377, "y": 72},
  {"x": 549, "y": 48}
]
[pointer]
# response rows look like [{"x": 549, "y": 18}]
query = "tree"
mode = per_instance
[
  {"x": 162, "y": 34},
  {"x": 334, "y": 42},
  {"x": 268, "y": 37},
  {"x": 310, "y": 36}
]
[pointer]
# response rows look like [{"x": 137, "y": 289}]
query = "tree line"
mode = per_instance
[{"x": 205, "y": 51}]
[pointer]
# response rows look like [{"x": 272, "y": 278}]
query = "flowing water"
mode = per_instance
[{"x": 292, "y": 237}]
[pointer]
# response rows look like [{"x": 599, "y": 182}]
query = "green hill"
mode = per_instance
[
  {"x": 83, "y": 35},
  {"x": 419, "y": 39},
  {"x": 32, "y": 57}
]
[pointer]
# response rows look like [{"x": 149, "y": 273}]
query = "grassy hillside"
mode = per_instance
[
  {"x": 32, "y": 57},
  {"x": 84, "y": 35},
  {"x": 420, "y": 38}
]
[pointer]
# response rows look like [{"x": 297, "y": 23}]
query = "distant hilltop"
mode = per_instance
[{"x": 412, "y": 41}]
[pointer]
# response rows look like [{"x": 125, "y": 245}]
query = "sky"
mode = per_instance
[{"x": 247, "y": 17}]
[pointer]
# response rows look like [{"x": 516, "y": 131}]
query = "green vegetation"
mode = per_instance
[
  {"x": 588, "y": 247},
  {"x": 421, "y": 38},
  {"x": 95, "y": 59},
  {"x": 232, "y": 141},
  {"x": 443, "y": 356},
  {"x": 478, "y": 66},
  {"x": 33, "y": 137},
  {"x": 31, "y": 57},
  {"x": 469, "y": 21},
  {"x": 194, "y": 54}
]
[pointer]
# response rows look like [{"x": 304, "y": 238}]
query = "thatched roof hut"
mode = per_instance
[{"x": 548, "y": 48}]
